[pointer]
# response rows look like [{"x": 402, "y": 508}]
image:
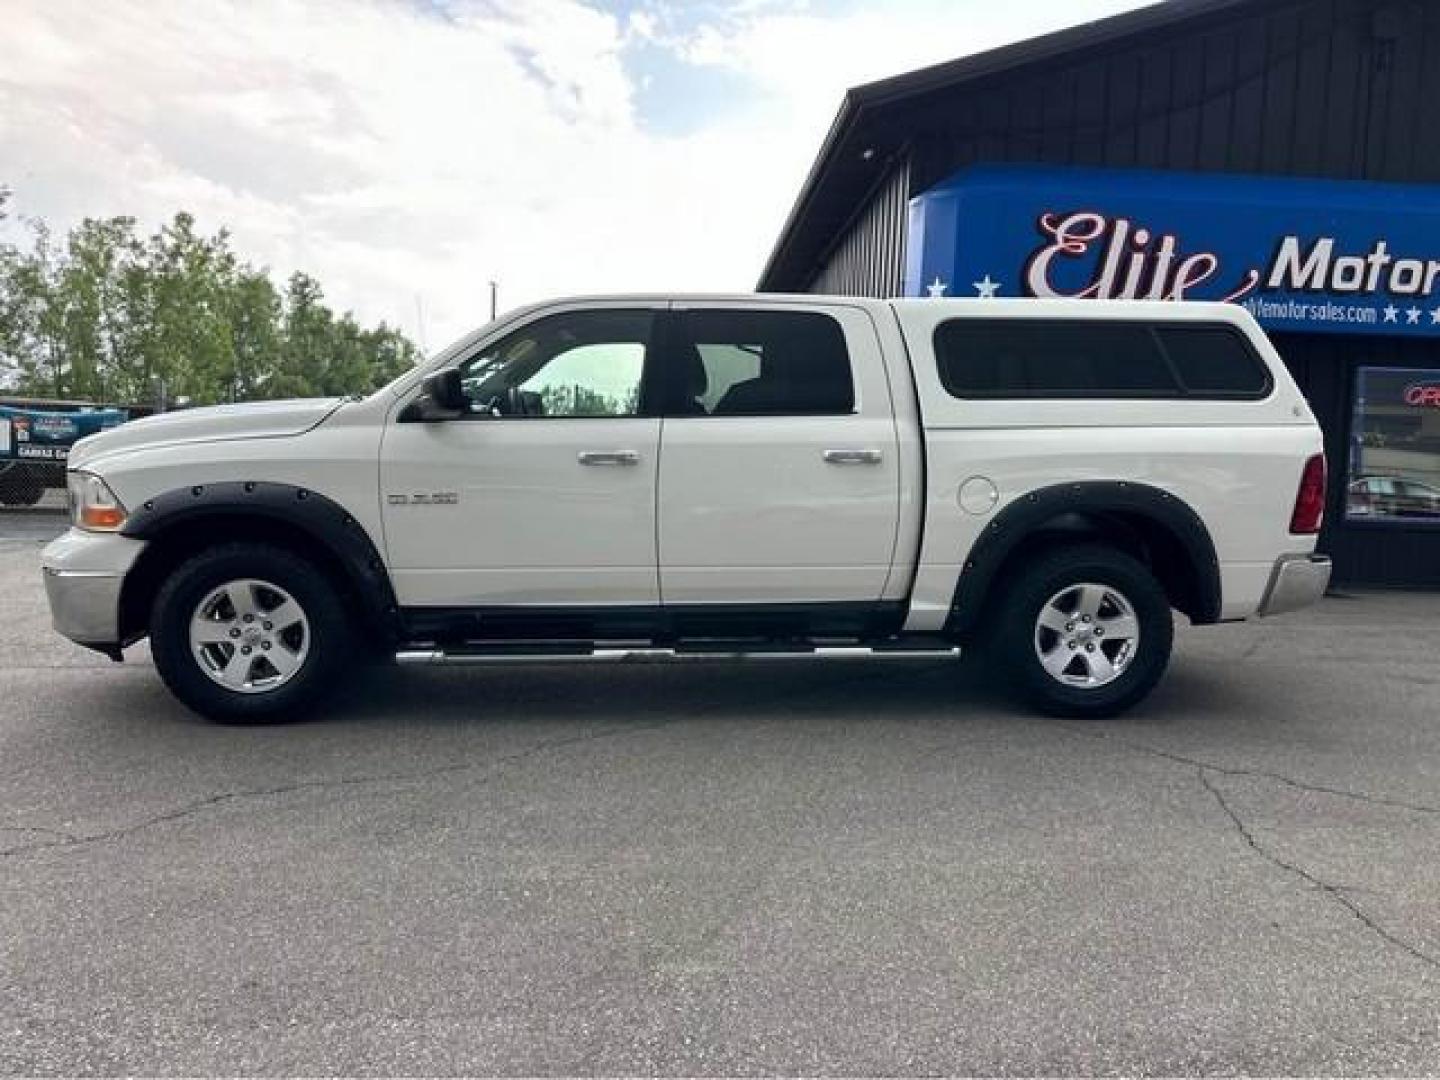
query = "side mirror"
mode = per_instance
[{"x": 441, "y": 398}]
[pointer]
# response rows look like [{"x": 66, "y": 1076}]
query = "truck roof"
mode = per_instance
[
  {"x": 1028, "y": 308},
  {"x": 1008, "y": 307}
]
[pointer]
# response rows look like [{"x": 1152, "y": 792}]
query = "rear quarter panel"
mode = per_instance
[{"x": 1236, "y": 463}]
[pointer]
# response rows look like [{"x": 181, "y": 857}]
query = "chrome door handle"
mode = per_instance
[
  {"x": 609, "y": 457},
  {"x": 854, "y": 457}
]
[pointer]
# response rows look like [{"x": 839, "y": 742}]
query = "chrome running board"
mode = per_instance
[{"x": 650, "y": 655}]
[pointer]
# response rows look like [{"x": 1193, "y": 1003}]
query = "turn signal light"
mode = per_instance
[
  {"x": 92, "y": 504},
  {"x": 102, "y": 517},
  {"x": 1310, "y": 500}
]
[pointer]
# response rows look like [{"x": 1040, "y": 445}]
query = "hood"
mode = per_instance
[{"x": 253, "y": 420}]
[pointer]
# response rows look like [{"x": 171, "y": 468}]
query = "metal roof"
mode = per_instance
[{"x": 841, "y": 177}]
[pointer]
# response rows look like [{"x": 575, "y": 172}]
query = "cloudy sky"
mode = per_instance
[{"x": 408, "y": 151}]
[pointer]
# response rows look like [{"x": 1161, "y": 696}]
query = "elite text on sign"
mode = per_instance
[{"x": 1300, "y": 254}]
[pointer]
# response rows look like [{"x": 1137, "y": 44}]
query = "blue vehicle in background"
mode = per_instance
[{"x": 35, "y": 441}]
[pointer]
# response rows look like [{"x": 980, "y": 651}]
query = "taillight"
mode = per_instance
[{"x": 1310, "y": 499}]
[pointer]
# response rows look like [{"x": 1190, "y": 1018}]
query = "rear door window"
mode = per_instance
[{"x": 758, "y": 363}]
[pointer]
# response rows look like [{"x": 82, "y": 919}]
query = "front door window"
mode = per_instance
[{"x": 582, "y": 364}]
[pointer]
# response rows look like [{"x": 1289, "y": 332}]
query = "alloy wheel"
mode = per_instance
[
  {"x": 1086, "y": 635},
  {"x": 250, "y": 636}
]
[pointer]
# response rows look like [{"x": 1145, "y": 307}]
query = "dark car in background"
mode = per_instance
[{"x": 1392, "y": 496}]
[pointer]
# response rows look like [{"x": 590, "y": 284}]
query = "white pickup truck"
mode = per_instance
[{"x": 757, "y": 476}]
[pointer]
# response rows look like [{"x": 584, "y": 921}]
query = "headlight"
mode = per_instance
[{"x": 92, "y": 504}]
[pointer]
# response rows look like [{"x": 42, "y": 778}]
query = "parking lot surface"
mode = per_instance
[{"x": 700, "y": 869}]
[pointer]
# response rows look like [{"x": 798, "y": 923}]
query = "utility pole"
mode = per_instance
[
  {"x": 420, "y": 323},
  {"x": 494, "y": 292}
]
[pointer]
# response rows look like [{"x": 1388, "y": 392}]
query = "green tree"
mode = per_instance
[
  {"x": 107, "y": 315},
  {"x": 95, "y": 317},
  {"x": 31, "y": 319},
  {"x": 256, "y": 339}
]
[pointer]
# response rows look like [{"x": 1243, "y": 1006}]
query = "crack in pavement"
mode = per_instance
[
  {"x": 1334, "y": 892},
  {"x": 36, "y": 829},
  {"x": 1257, "y": 774},
  {"x": 75, "y": 665},
  {"x": 1204, "y": 769},
  {"x": 496, "y": 765}
]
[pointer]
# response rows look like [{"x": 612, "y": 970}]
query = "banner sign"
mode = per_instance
[
  {"x": 42, "y": 435},
  {"x": 1319, "y": 256}
]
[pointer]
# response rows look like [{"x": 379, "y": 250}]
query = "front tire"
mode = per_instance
[
  {"x": 248, "y": 633},
  {"x": 1086, "y": 632}
]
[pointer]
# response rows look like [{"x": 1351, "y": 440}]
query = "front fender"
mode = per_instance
[{"x": 324, "y": 522}]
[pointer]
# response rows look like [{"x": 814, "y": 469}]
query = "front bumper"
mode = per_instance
[
  {"x": 84, "y": 574},
  {"x": 1296, "y": 582},
  {"x": 85, "y": 606}
]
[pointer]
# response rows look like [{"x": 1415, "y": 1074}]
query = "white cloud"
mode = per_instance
[{"x": 402, "y": 149}]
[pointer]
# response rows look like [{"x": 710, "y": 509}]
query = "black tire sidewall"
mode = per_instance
[
  {"x": 182, "y": 591},
  {"x": 1103, "y": 566}
]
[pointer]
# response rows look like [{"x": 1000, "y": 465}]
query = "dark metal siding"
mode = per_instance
[
  {"x": 1339, "y": 88},
  {"x": 869, "y": 257}
]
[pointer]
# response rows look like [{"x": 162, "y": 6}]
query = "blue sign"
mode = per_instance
[
  {"x": 44, "y": 435},
  {"x": 1303, "y": 255}
]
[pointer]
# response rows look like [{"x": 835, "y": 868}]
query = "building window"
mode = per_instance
[{"x": 1394, "y": 474}]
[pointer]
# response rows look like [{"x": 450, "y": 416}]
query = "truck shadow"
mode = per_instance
[
  {"x": 389, "y": 701},
  {"x": 874, "y": 691}
]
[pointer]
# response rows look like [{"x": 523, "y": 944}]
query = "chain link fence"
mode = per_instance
[{"x": 24, "y": 483}]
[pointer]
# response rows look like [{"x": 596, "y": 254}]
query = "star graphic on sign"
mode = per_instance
[
  {"x": 936, "y": 288},
  {"x": 1435, "y": 317},
  {"x": 987, "y": 288},
  {"x": 1392, "y": 313},
  {"x": 1413, "y": 316}
]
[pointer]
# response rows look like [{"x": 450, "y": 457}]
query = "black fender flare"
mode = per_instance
[
  {"x": 323, "y": 521},
  {"x": 1032, "y": 512}
]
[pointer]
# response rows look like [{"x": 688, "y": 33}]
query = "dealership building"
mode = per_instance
[{"x": 1281, "y": 154}]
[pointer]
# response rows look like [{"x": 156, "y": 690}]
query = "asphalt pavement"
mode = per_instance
[{"x": 879, "y": 868}]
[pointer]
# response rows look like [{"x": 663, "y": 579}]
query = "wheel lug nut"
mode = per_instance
[
  {"x": 1071, "y": 644},
  {"x": 265, "y": 645},
  {"x": 1099, "y": 631},
  {"x": 1089, "y": 648},
  {"x": 267, "y": 625},
  {"x": 249, "y": 618},
  {"x": 234, "y": 633},
  {"x": 1085, "y": 618},
  {"x": 244, "y": 650},
  {"x": 1069, "y": 627}
]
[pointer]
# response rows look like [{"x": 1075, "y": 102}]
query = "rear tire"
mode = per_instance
[
  {"x": 249, "y": 633},
  {"x": 1086, "y": 632}
]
